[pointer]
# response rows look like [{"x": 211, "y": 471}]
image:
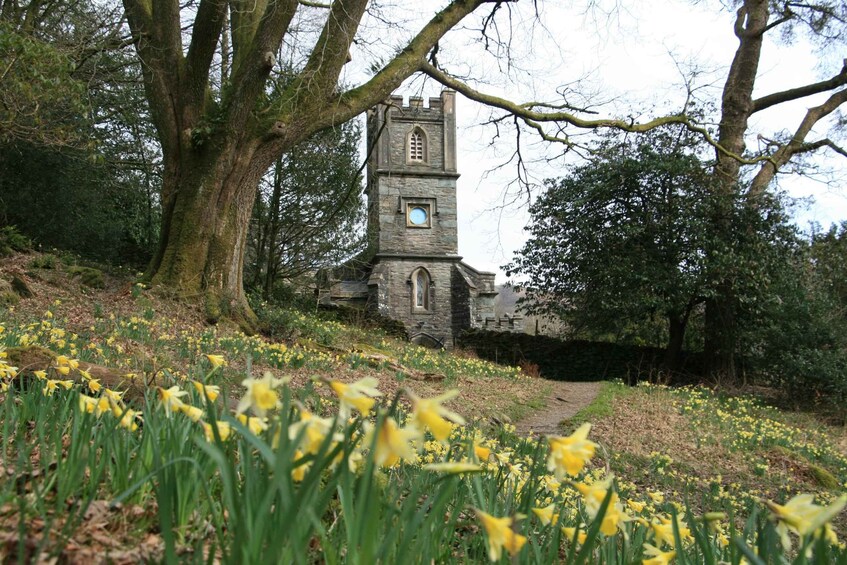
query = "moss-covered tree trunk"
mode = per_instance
[{"x": 206, "y": 215}]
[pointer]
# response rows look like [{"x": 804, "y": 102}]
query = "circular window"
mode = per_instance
[{"x": 418, "y": 215}]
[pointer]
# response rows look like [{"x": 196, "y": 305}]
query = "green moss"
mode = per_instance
[
  {"x": 823, "y": 477},
  {"x": 8, "y": 298},
  {"x": 88, "y": 276}
]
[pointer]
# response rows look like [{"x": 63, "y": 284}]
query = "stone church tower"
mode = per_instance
[{"x": 411, "y": 271}]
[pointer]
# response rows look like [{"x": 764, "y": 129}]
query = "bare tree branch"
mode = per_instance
[
  {"x": 534, "y": 118},
  {"x": 801, "y": 91},
  {"x": 797, "y": 143}
]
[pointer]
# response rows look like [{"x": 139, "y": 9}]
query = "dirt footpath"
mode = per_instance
[{"x": 565, "y": 400}]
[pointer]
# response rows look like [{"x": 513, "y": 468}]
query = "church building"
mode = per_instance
[{"x": 411, "y": 270}]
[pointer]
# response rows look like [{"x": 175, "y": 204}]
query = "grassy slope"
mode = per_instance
[
  {"x": 128, "y": 328},
  {"x": 685, "y": 444},
  {"x": 713, "y": 450}
]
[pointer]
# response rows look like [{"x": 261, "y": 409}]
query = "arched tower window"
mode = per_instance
[
  {"x": 416, "y": 146},
  {"x": 420, "y": 289}
]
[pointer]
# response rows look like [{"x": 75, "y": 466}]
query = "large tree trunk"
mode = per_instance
[
  {"x": 208, "y": 199},
  {"x": 736, "y": 108}
]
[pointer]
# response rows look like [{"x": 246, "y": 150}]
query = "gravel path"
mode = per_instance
[{"x": 565, "y": 400}]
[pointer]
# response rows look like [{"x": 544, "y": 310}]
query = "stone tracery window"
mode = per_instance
[
  {"x": 420, "y": 289},
  {"x": 416, "y": 146}
]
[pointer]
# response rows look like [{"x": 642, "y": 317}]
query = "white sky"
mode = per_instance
[{"x": 630, "y": 60}]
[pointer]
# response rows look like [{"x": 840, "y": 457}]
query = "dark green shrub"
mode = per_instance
[{"x": 12, "y": 240}]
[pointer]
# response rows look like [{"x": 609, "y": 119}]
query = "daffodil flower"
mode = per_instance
[
  {"x": 546, "y": 514},
  {"x": 570, "y": 454},
  {"x": 571, "y": 532},
  {"x": 500, "y": 534},
  {"x": 429, "y": 413},
  {"x": 359, "y": 395},
  {"x": 194, "y": 414},
  {"x": 314, "y": 430},
  {"x": 392, "y": 442},
  {"x": 481, "y": 453},
  {"x": 594, "y": 495},
  {"x": 224, "y": 430},
  {"x": 655, "y": 556},
  {"x": 663, "y": 531},
  {"x": 207, "y": 391},
  {"x": 171, "y": 399},
  {"x": 129, "y": 419},
  {"x": 802, "y": 516},
  {"x": 298, "y": 473},
  {"x": 261, "y": 395},
  {"x": 216, "y": 360},
  {"x": 255, "y": 425}
]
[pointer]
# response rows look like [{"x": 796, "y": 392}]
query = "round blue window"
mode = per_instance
[{"x": 418, "y": 215}]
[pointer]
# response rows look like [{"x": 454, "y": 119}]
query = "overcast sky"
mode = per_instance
[{"x": 633, "y": 61}]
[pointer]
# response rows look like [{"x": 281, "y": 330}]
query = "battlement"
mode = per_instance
[
  {"x": 512, "y": 324},
  {"x": 416, "y": 103}
]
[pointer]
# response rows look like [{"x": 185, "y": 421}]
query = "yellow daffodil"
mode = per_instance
[
  {"x": 802, "y": 516},
  {"x": 663, "y": 527},
  {"x": 87, "y": 404},
  {"x": 224, "y": 430},
  {"x": 42, "y": 375},
  {"x": 571, "y": 532},
  {"x": 570, "y": 454},
  {"x": 655, "y": 556},
  {"x": 481, "y": 453},
  {"x": 314, "y": 430},
  {"x": 64, "y": 370},
  {"x": 429, "y": 413},
  {"x": 94, "y": 385},
  {"x": 551, "y": 484},
  {"x": 255, "y": 425},
  {"x": 656, "y": 497},
  {"x": 454, "y": 467},
  {"x": 64, "y": 361},
  {"x": 114, "y": 396},
  {"x": 546, "y": 514},
  {"x": 216, "y": 360},
  {"x": 207, "y": 391},
  {"x": 194, "y": 414},
  {"x": 635, "y": 506},
  {"x": 298, "y": 473},
  {"x": 260, "y": 396},
  {"x": 129, "y": 419},
  {"x": 594, "y": 495},
  {"x": 171, "y": 399},
  {"x": 500, "y": 534},
  {"x": 392, "y": 443},
  {"x": 359, "y": 395}
]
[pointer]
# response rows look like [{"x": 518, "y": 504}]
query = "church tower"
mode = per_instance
[{"x": 411, "y": 271}]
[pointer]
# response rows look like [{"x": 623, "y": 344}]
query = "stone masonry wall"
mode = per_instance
[
  {"x": 398, "y": 292},
  {"x": 395, "y": 193}
]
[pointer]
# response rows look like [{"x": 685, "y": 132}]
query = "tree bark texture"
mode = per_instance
[{"x": 736, "y": 108}]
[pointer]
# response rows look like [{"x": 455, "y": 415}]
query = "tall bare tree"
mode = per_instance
[
  {"x": 823, "y": 22},
  {"x": 217, "y": 145}
]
